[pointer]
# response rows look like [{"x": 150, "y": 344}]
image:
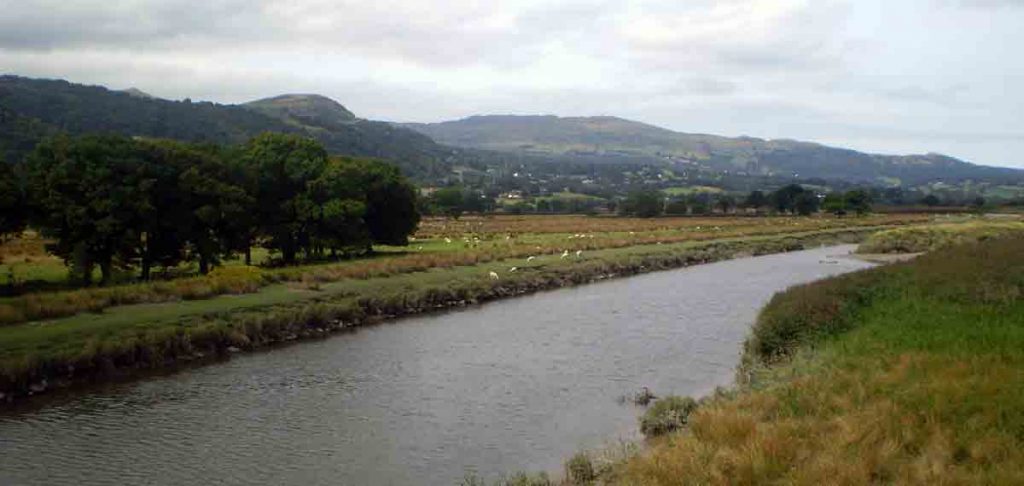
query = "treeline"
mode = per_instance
[
  {"x": 113, "y": 202},
  {"x": 791, "y": 199}
]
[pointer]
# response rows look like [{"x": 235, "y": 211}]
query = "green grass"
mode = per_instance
[
  {"x": 909, "y": 374},
  {"x": 442, "y": 244},
  {"x": 566, "y": 195},
  {"x": 933, "y": 237},
  {"x": 149, "y": 334},
  {"x": 689, "y": 190}
]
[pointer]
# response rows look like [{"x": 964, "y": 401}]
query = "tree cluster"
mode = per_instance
[
  {"x": 856, "y": 201},
  {"x": 455, "y": 200},
  {"x": 112, "y": 202}
]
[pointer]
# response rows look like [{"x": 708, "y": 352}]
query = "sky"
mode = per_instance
[{"x": 883, "y": 76}]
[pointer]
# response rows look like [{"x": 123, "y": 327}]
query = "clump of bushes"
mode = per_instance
[
  {"x": 579, "y": 469},
  {"x": 667, "y": 415},
  {"x": 806, "y": 311}
]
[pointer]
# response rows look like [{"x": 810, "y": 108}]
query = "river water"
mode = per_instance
[{"x": 519, "y": 384}]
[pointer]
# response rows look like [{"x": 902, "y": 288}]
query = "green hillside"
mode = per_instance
[
  {"x": 619, "y": 139},
  {"x": 33, "y": 108}
]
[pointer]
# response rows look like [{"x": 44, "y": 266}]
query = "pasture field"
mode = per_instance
[
  {"x": 67, "y": 335},
  {"x": 439, "y": 243}
]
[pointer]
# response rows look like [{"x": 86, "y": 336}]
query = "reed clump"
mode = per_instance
[{"x": 668, "y": 414}]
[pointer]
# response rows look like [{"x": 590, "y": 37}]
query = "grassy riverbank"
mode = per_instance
[
  {"x": 937, "y": 236},
  {"x": 39, "y": 355},
  {"x": 438, "y": 244},
  {"x": 911, "y": 373}
]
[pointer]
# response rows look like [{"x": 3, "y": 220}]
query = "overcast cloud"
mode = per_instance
[{"x": 903, "y": 76}]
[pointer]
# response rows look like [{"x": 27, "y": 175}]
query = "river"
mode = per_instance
[{"x": 518, "y": 384}]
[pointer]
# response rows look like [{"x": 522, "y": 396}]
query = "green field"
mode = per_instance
[
  {"x": 691, "y": 190},
  {"x": 907, "y": 374},
  {"x": 284, "y": 304}
]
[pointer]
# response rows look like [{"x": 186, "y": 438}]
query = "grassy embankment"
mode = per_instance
[
  {"x": 910, "y": 374},
  {"x": 920, "y": 239},
  {"x": 439, "y": 244},
  {"x": 330, "y": 297}
]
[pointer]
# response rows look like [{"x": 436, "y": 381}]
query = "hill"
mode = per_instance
[
  {"x": 32, "y": 108},
  {"x": 617, "y": 139}
]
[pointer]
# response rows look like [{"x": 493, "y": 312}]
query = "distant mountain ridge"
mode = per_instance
[
  {"x": 615, "y": 138},
  {"x": 436, "y": 153},
  {"x": 33, "y": 108}
]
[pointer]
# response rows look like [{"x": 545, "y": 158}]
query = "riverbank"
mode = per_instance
[
  {"x": 909, "y": 373},
  {"x": 123, "y": 340}
]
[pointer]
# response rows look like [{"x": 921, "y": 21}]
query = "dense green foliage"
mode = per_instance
[
  {"x": 31, "y": 109},
  {"x": 856, "y": 201},
  {"x": 13, "y": 211},
  {"x": 114, "y": 202},
  {"x": 455, "y": 200},
  {"x": 795, "y": 199},
  {"x": 643, "y": 204}
]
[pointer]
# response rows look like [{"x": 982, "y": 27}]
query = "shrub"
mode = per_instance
[
  {"x": 667, "y": 415},
  {"x": 579, "y": 469}
]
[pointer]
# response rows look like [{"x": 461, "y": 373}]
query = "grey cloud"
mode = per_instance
[
  {"x": 819, "y": 70},
  {"x": 48, "y": 24},
  {"x": 460, "y": 33}
]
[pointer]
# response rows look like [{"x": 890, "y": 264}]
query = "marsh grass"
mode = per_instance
[
  {"x": 933, "y": 237},
  {"x": 668, "y": 414},
  {"x": 153, "y": 335},
  {"x": 496, "y": 244},
  {"x": 907, "y": 374}
]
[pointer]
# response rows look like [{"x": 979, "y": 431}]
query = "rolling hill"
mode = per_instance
[
  {"x": 32, "y": 108},
  {"x": 617, "y": 139}
]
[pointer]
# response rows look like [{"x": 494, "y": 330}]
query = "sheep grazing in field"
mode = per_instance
[
  {"x": 494, "y": 276},
  {"x": 530, "y": 259},
  {"x": 513, "y": 269},
  {"x": 579, "y": 253},
  {"x": 447, "y": 240},
  {"x": 565, "y": 253}
]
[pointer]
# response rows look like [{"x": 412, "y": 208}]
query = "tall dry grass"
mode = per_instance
[{"x": 908, "y": 374}]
